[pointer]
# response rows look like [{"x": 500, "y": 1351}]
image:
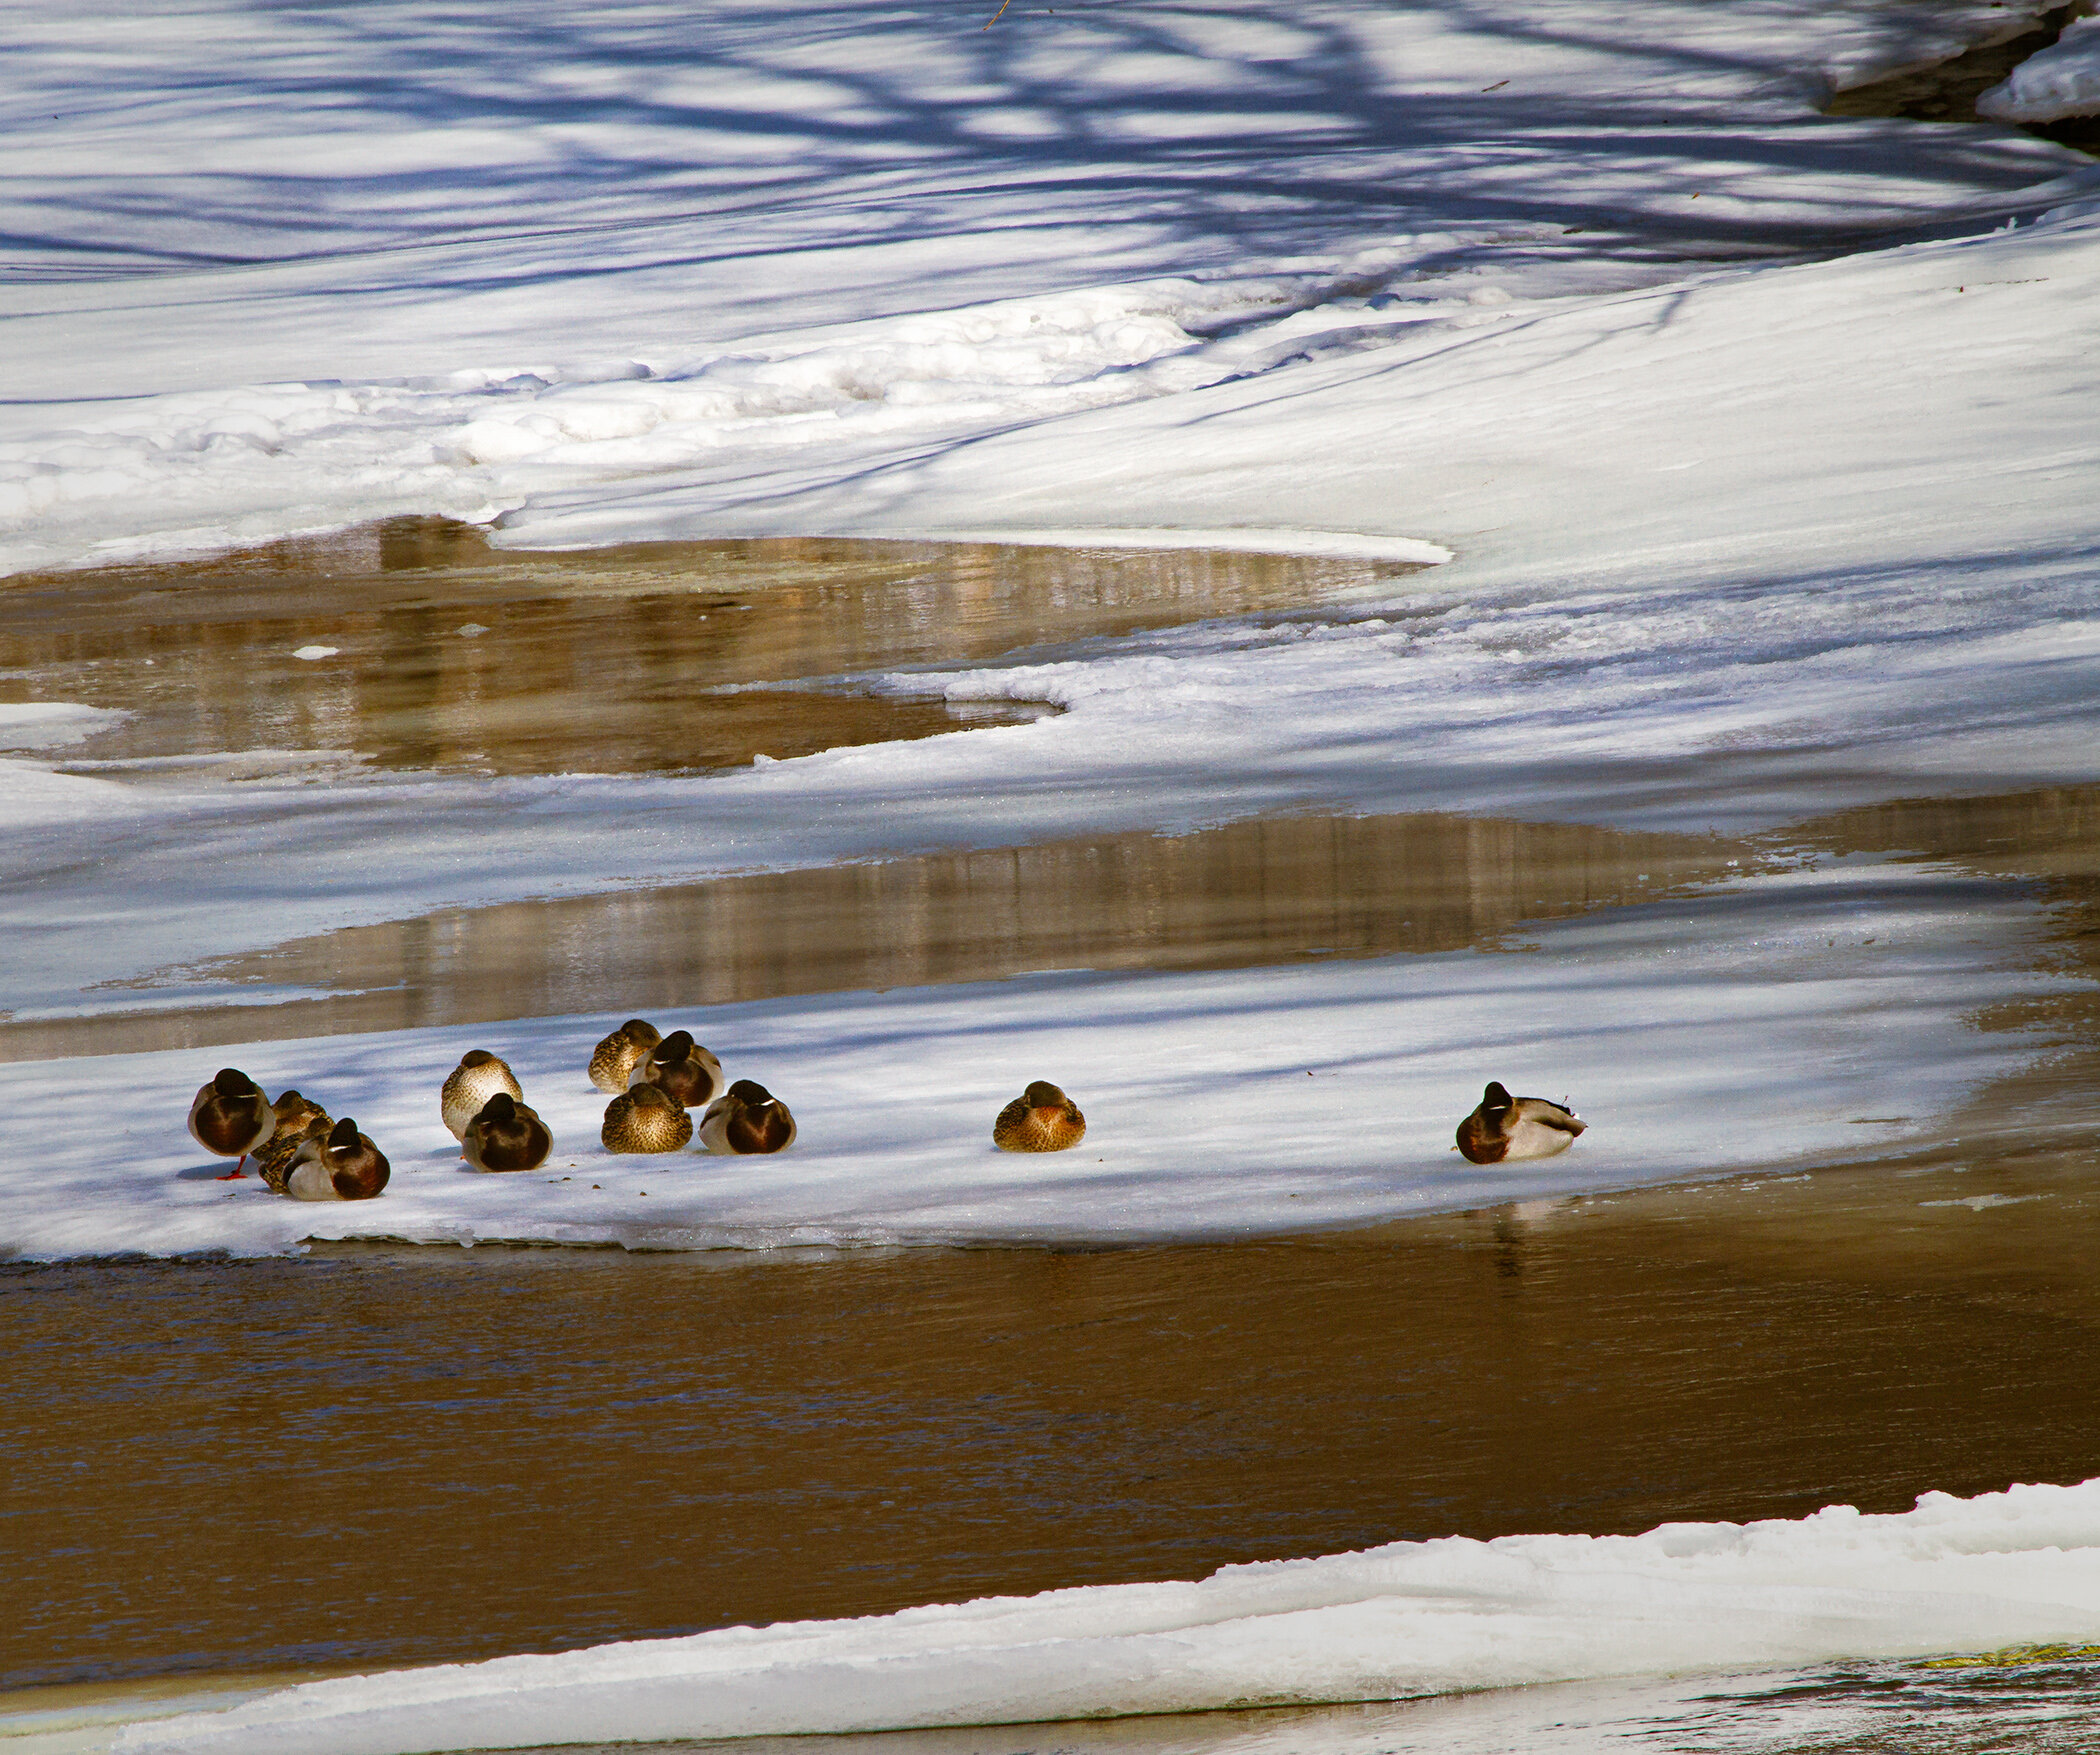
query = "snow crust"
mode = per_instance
[
  {"x": 1697, "y": 1036},
  {"x": 1411, "y": 1618},
  {"x": 2061, "y": 80}
]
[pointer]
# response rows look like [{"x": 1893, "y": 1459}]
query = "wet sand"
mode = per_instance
[{"x": 382, "y": 1457}]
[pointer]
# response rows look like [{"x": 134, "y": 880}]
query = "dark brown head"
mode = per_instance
[
  {"x": 640, "y": 1032},
  {"x": 230, "y": 1082},
  {"x": 507, "y": 1136},
  {"x": 1042, "y": 1094},
  {"x": 1496, "y": 1099},
  {"x": 674, "y": 1047},
  {"x": 476, "y": 1057},
  {"x": 757, "y": 1121},
  {"x": 651, "y": 1097},
  {"x": 356, "y": 1166}
]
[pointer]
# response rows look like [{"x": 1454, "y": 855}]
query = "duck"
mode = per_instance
[
  {"x": 613, "y": 1059},
  {"x": 230, "y": 1117},
  {"x": 645, "y": 1118},
  {"x": 1041, "y": 1119},
  {"x": 477, "y": 1078},
  {"x": 682, "y": 1068},
  {"x": 1505, "y": 1129},
  {"x": 747, "y": 1120},
  {"x": 339, "y": 1164},
  {"x": 294, "y": 1115},
  {"x": 506, "y": 1136}
]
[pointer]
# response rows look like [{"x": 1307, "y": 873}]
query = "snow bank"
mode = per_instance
[
  {"x": 1770, "y": 1016},
  {"x": 551, "y": 249},
  {"x": 1412, "y": 1618},
  {"x": 2061, "y": 80}
]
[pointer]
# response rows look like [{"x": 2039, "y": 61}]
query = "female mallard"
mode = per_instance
[
  {"x": 1505, "y": 1128},
  {"x": 506, "y": 1136},
  {"x": 295, "y": 1114},
  {"x": 749, "y": 1119},
  {"x": 1041, "y": 1119},
  {"x": 340, "y": 1164},
  {"x": 477, "y": 1078},
  {"x": 613, "y": 1059},
  {"x": 230, "y": 1117},
  {"x": 681, "y": 1068},
  {"x": 645, "y": 1119}
]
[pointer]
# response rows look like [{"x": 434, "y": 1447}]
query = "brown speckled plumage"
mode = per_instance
[
  {"x": 1041, "y": 1119},
  {"x": 295, "y": 1114},
  {"x": 612, "y": 1061},
  {"x": 477, "y": 1078},
  {"x": 644, "y": 1120}
]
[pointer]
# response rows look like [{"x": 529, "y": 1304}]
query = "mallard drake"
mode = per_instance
[
  {"x": 613, "y": 1059},
  {"x": 747, "y": 1119},
  {"x": 1505, "y": 1128},
  {"x": 680, "y": 1067},
  {"x": 340, "y": 1164},
  {"x": 230, "y": 1117},
  {"x": 1041, "y": 1119},
  {"x": 477, "y": 1078},
  {"x": 295, "y": 1114},
  {"x": 506, "y": 1136},
  {"x": 646, "y": 1118}
]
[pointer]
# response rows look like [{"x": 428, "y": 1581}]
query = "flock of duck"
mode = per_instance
[{"x": 657, "y": 1082}]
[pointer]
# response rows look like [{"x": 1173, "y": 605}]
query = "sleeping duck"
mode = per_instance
[
  {"x": 230, "y": 1117},
  {"x": 506, "y": 1136},
  {"x": 340, "y": 1164},
  {"x": 477, "y": 1078},
  {"x": 681, "y": 1068},
  {"x": 613, "y": 1059},
  {"x": 645, "y": 1119},
  {"x": 747, "y": 1119},
  {"x": 295, "y": 1114},
  {"x": 1041, "y": 1119},
  {"x": 1505, "y": 1128}
]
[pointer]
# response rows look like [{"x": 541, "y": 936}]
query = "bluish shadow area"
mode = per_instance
[{"x": 540, "y": 142}]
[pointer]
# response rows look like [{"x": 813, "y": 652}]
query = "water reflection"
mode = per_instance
[
  {"x": 1254, "y": 892},
  {"x": 448, "y": 654},
  {"x": 511, "y": 1450}
]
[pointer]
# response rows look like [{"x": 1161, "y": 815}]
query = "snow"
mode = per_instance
[
  {"x": 2061, "y": 80},
  {"x": 1754, "y": 452},
  {"x": 1743, "y": 1030},
  {"x": 1953, "y": 1575},
  {"x": 31, "y": 725}
]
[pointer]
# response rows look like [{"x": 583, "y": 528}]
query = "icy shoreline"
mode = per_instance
[
  {"x": 1748, "y": 1027},
  {"x": 1410, "y": 1619}
]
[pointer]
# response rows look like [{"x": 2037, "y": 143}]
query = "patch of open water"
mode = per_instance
[{"x": 379, "y": 1457}]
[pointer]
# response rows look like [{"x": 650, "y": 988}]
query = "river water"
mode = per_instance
[{"x": 380, "y": 1456}]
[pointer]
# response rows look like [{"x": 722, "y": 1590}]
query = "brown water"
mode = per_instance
[
  {"x": 453, "y": 655},
  {"x": 385, "y": 1457},
  {"x": 1254, "y": 892},
  {"x": 380, "y": 1457},
  {"x": 1947, "y": 91}
]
